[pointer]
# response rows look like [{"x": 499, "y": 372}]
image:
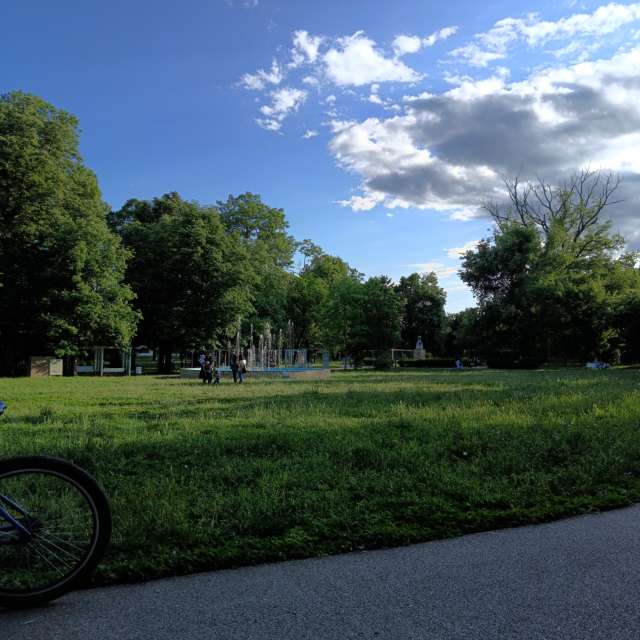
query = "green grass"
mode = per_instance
[{"x": 204, "y": 478}]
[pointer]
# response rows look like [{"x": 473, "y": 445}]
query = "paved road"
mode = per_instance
[{"x": 574, "y": 579}]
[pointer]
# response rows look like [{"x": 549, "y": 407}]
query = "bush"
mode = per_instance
[
  {"x": 432, "y": 363},
  {"x": 383, "y": 361}
]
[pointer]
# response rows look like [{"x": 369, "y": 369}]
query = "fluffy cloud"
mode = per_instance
[
  {"x": 494, "y": 44},
  {"x": 283, "y": 102},
  {"x": 404, "y": 44},
  {"x": 457, "y": 252},
  {"x": 260, "y": 79},
  {"x": 305, "y": 48},
  {"x": 451, "y": 151},
  {"x": 355, "y": 61},
  {"x": 309, "y": 133}
]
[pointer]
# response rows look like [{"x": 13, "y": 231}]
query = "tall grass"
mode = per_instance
[{"x": 203, "y": 477}]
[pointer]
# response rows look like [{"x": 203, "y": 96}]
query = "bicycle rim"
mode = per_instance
[{"x": 62, "y": 520}]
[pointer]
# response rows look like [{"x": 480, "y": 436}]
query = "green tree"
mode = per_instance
[
  {"x": 341, "y": 314},
  {"x": 550, "y": 280},
  {"x": 377, "y": 321},
  {"x": 262, "y": 231},
  {"x": 424, "y": 311},
  {"x": 191, "y": 277},
  {"x": 61, "y": 268},
  {"x": 464, "y": 336}
]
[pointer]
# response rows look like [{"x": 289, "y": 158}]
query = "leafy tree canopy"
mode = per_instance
[
  {"x": 192, "y": 278},
  {"x": 61, "y": 268}
]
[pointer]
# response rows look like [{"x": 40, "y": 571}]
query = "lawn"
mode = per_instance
[{"x": 204, "y": 477}]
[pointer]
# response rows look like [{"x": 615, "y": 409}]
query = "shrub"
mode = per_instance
[{"x": 432, "y": 363}]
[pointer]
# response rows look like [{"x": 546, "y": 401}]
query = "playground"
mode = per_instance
[{"x": 204, "y": 478}]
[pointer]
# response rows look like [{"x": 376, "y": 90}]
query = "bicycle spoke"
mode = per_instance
[{"x": 61, "y": 523}]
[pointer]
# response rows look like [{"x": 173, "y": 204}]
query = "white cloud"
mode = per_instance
[
  {"x": 406, "y": 44},
  {"x": 247, "y": 4},
  {"x": 270, "y": 124},
  {"x": 363, "y": 203},
  {"x": 494, "y": 44},
  {"x": 441, "y": 34},
  {"x": 465, "y": 214},
  {"x": 355, "y": 61},
  {"x": 457, "y": 252},
  {"x": 558, "y": 120},
  {"x": 259, "y": 80},
  {"x": 310, "y": 133},
  {"x": 441, "y": 270},
  {"x": 283, "y": 102},
  {"x": 305, "y": 48}
]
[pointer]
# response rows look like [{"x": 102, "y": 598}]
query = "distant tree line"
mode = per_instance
[{"x": 175, "y": 275}]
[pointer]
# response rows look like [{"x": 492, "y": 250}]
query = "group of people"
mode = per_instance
[{"x": 209, "y": 373}]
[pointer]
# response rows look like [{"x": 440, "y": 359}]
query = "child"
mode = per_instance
[
  {"x": 216, "y": 376},
  {"x": 207, "y": 371}
]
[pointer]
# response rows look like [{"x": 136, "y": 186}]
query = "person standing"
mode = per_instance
[
  {"x": 201, "y": 359},
  {"x": 242, "y": 368},
  {"x": 234, "y": 366}
]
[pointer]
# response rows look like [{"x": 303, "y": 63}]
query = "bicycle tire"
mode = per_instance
[{"x": 100, "y": 533}]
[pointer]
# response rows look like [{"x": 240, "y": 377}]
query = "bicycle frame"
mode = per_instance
[{"x": 13, "y": 523}]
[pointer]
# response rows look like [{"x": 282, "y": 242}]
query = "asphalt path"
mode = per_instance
[{"x": 573, "y": 579}]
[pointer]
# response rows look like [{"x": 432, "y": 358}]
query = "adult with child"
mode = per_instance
[{"x": 208, "y": 371}]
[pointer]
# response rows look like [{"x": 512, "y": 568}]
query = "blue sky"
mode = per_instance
[{"x": 379, "y": 127}]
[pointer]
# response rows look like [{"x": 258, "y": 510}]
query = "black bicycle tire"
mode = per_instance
[{"x": 81, "y": 478}]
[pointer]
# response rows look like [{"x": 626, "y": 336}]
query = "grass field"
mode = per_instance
[{"x": 203, "y": 478}]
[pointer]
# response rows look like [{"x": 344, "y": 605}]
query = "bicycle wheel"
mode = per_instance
[{"x": 68, "y": 521}]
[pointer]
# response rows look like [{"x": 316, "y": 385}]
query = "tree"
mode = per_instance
[
  {"x": 548, "y": 280},
  {"x": 341, "y": 314},
  {"x": 309, "y": 251},
  {"x": 310, "y": 295},
  {"x": 464, "y": 334},
  {"x": 262, "y": 231},
  {"x": 575, "y": 206},
  {"x": 61, "y": 268},
  {"x": 192, "y": 278},
  {"x": 424, "y": 311},
  {"x": 377, "y": 320}
]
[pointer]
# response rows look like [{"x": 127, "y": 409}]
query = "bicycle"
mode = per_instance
[{"x": 55, "y": 525}]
